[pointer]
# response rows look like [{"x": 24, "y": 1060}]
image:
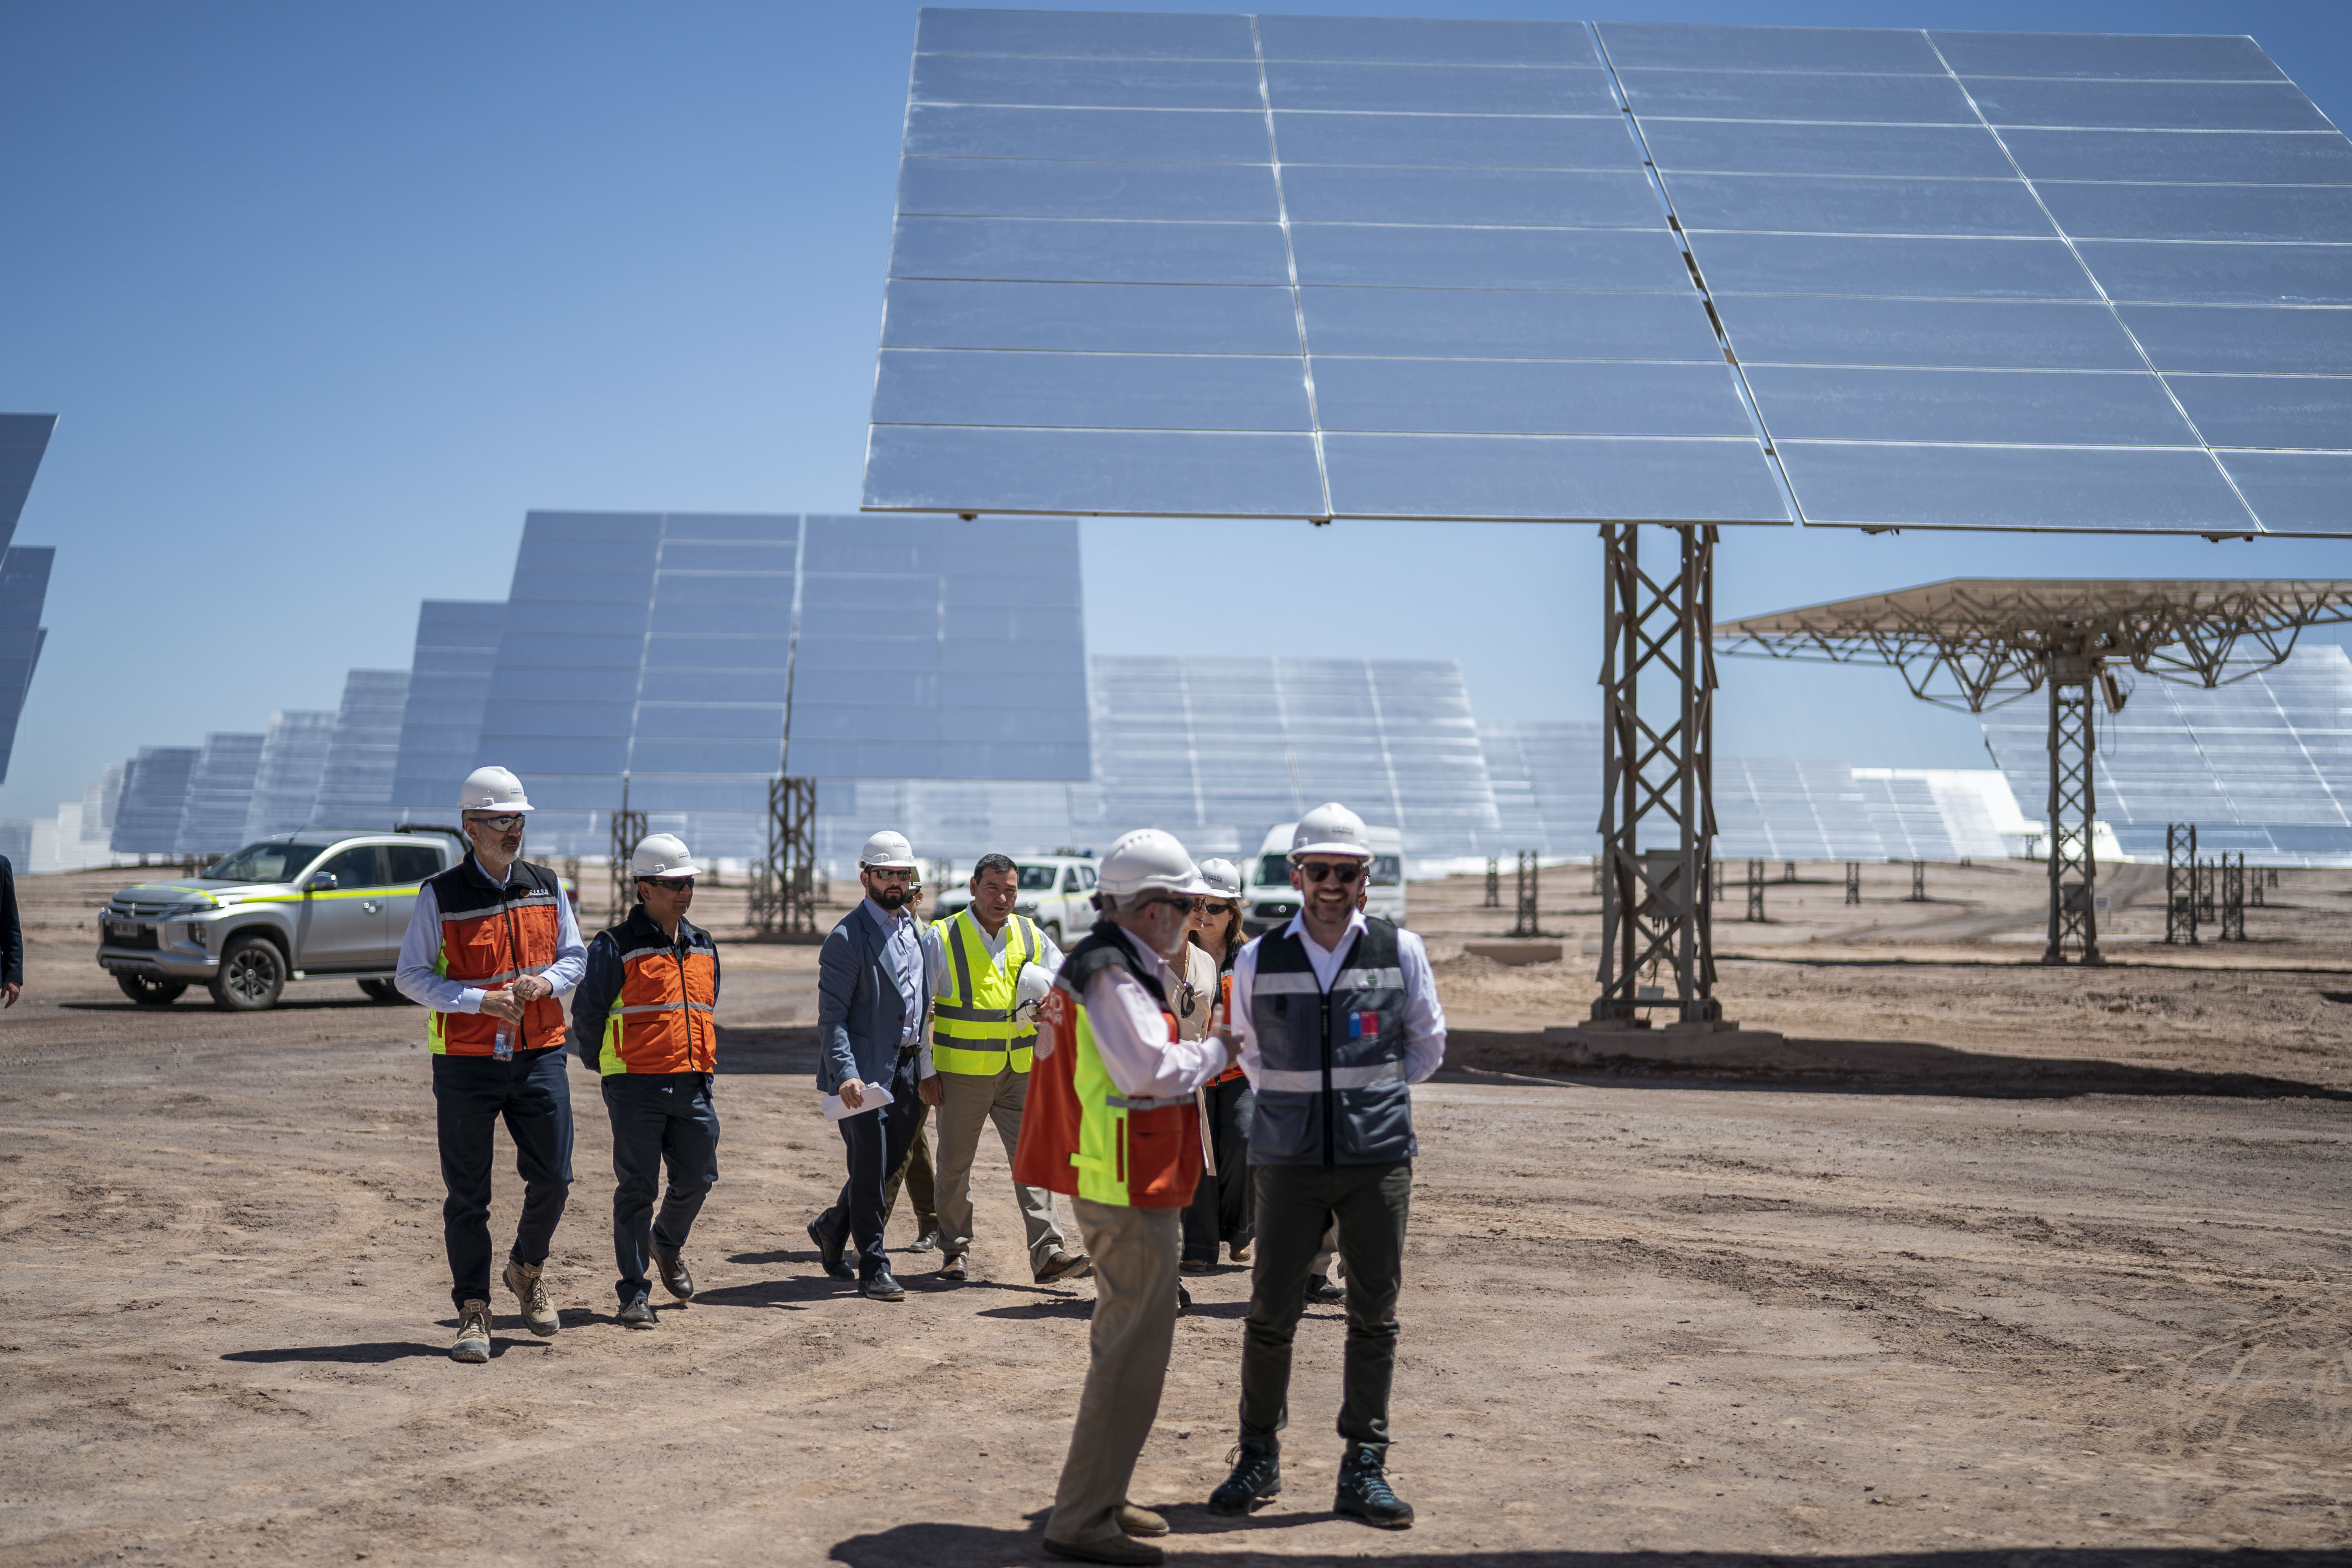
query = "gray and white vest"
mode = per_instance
[{"x": 1331, "y": 1078}]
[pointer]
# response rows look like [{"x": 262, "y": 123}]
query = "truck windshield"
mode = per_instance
[
  {"x": 1037, "y": 879},
  {"x": 1273, "y": 870},
  {"x": 262, "y": 863}
]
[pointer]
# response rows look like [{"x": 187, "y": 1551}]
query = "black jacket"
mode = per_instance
[{"x": 12, "y": 934}]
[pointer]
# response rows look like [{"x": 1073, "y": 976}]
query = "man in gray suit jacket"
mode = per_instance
[{"x": 873, "y": 996}]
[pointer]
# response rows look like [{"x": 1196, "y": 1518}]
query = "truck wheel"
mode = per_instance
[
  {"x": 1052, "y": 929},
  {"x": 252, "y": 974},
  {"x": 382, "y": 991},
  {"x": 150, "y": 990}
]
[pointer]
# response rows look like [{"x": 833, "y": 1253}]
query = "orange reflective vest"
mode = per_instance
[
  {"x": 660, "y": 1020},
  {"x": 491, "y": 935},
  {"x": 1081, "y": 1135}
]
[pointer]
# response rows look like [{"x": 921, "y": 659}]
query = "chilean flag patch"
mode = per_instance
[{"x": 1363, "y": 1025}]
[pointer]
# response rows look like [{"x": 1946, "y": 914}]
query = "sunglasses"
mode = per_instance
[
  {"x": 1343, "y": 871},
  {"x": 890, "y": 873},
  {"x": 669, "y": 884},
  {"x": 1205, "y": 907},
  {"x": 509, "y": 823}
]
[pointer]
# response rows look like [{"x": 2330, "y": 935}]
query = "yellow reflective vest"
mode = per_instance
[{"x": 972, "y": 1029}]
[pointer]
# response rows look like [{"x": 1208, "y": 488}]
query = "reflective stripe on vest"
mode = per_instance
[
  {"x": 489, "y": 936},
  {"x": 1333, "y": 1081},
  {"x": 972, "y": 1029},
  {"x": 661, "y": 1020}
]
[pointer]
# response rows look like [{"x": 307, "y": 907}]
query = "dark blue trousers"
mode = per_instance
[
  {"x": 471, "y": 1095},
  {"x": 658, "y": 1118},
  {"x": 876, "y": 1143}
]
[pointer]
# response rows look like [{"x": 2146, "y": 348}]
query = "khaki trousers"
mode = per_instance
[
  {"x": 966, "y": 1101},
  {"x": 1134, "y": 1253}
]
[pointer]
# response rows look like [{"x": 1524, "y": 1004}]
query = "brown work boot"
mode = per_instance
[
  {"x": 1139, "y": 1521},
  {"x": 1064, "y": 1266},
  {"x": 529, "y": 1290},
  {"x": 473, "y": 1333}
]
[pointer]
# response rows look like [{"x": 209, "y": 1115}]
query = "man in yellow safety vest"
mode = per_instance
[{"x": 982, "y": 1033}]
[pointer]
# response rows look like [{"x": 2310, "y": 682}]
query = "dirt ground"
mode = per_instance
[{"x": 1993, "y": 1263}]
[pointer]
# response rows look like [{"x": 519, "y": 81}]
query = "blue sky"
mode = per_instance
[{"x": 327, "y": 297}]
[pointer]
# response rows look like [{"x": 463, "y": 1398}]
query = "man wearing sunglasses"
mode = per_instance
[
  {"x": 1110, "y": 1120},
  {"x": 873, "y": 997},
  {"x": 490, "y": 945},
  {"x": 1337, "y": 1015},
  {"x": 643, "y": 1019}
]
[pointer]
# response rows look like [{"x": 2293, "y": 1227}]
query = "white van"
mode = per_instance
[{"x": 1271, "y": 900}]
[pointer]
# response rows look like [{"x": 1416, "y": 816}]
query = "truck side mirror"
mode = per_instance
[{"x": 324, "y": 882}]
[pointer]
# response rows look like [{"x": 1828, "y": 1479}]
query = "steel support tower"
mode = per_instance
[
  {"x": 2074, "y": 813},
  {"x": 1657, "y": 806},
  {"x": 2180, "y": 882}
]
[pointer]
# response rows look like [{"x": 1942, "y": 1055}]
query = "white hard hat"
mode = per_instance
[
  {"x": 1035, "y": 985},
  {"x": 662, "y": 855},
  {"x": 1224, "y": 878},
  {"x": 1329, "y": 829},
  {"x": 888, "y": 851},
  {"x": 1149, "y": 859},
  {"x": 492, "y": 789}
]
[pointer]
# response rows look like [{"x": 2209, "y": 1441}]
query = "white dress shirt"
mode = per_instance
[
  {"x": 1131, "y": 1033},
  {"x": 1424, "y": 1017},
  {"x": 902, "y": 951}
]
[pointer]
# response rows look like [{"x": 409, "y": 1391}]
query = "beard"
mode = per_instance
[{"x": 891, "y": 898}]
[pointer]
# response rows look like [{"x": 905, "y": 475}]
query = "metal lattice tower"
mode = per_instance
[
  {"x": 1658, "y": 809},
  {"x": 2180, "y": 882},
  {"x": 2074, "y": 814}
]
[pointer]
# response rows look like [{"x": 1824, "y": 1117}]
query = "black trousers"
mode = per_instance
[
  {"x": 1221, "y": 1209},
  {"x": 659, "y": 1120},
  {"x": 471, "y": 1095},
  {"x": 1296, "y": 1204},
  {"x": 875, "y": 1145},
  {"x": 914, "y": 1173}
]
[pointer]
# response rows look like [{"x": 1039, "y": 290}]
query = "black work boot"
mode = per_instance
[
  {"x": 1257, "y": 1478},
  {"x": 676, "y": 1278},
  {"x": 1364, "y": 1492}
]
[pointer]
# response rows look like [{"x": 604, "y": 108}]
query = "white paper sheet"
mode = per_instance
[{"x": 877, "y": 1097}]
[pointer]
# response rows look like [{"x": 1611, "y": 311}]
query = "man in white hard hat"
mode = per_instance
[
  {"x": 644, "y": 1018},
  {"x": 1337, "y": 1018},
  {"x": 873, "y": 997},
  {"x": 1111, "y": 1120},
  {"x": 982, "y": 1038},
  {"x": 490, "y": 945}
]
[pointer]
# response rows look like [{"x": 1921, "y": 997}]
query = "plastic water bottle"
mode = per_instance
[{"x": 502, "y": 1045}]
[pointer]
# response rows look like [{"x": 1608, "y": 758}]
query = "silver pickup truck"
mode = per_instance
[{"x": 292, "y": 908}]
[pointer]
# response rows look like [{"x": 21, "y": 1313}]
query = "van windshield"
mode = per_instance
[
  {"x": 1037, "y": 879},
  {"x": 263, "y": 863},
  {"x": 1273, "y": 870}
]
